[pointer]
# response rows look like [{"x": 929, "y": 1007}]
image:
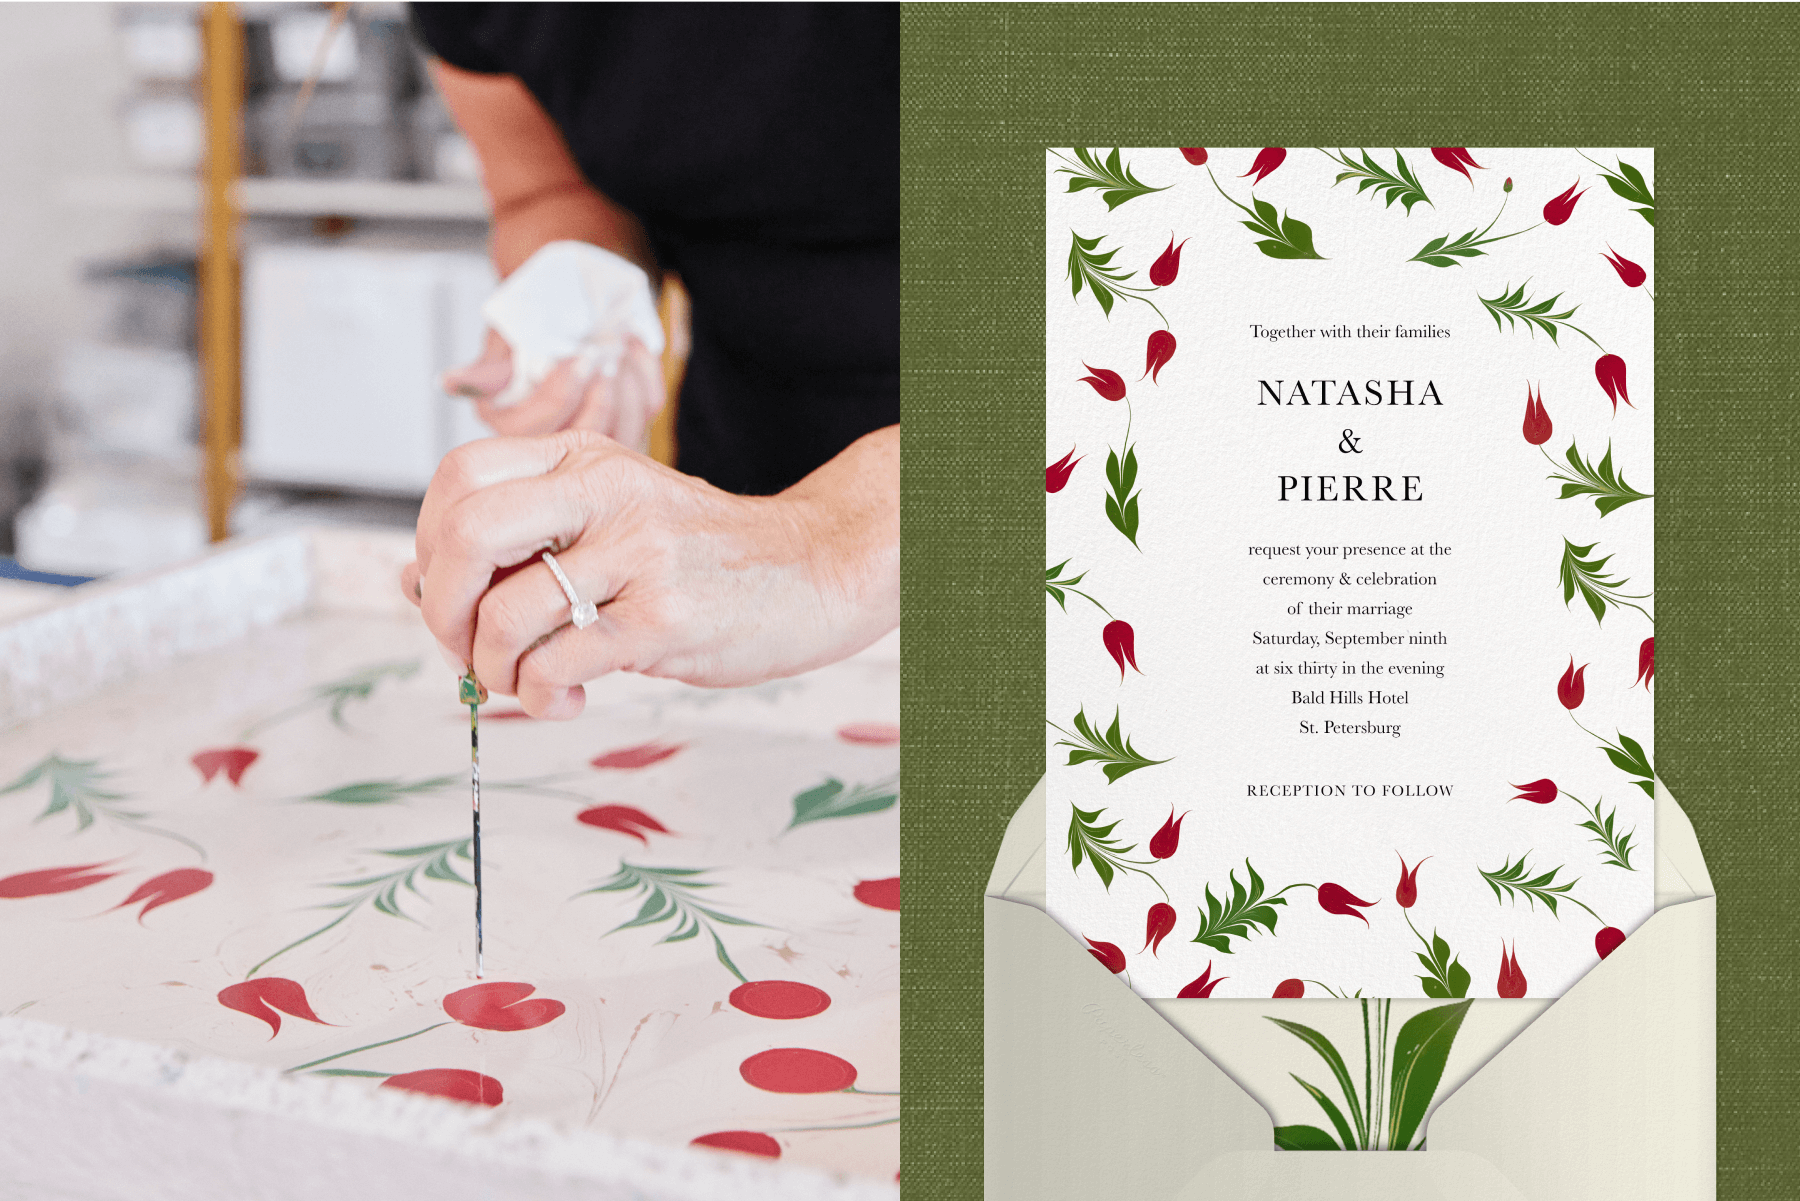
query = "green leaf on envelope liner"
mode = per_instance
[
  {"x": 1322, "y": 1045},
  {"x": 832, "y": 799},
  {"x": 1419, "y": 1057},
  {"x": 1303, "y": 1138}
]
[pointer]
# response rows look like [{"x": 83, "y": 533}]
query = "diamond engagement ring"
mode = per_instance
[{"x": 582, "y": 613}]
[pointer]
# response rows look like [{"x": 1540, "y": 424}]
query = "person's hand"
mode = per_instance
[
  {"x": 620, "y": 406},
  {"x": 692, "y": 582}
]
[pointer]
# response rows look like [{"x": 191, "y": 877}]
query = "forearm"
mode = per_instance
[{"x": 850, "y": 511}]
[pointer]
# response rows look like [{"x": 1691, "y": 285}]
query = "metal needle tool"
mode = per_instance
[{"x": 472, "y": 694}]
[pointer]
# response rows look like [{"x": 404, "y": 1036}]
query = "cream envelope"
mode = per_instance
[{"x": 1092, "y": 1092}]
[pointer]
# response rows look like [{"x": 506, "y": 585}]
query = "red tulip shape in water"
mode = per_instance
[
  {"x": 1109, "y": 384},
  {"x": 1570, "y": 689},
  {"x": 46, "y": 881},
  {"x": 1056, "y": 476},
  {"x": 1559, "y": 209},
  {"x": 1290, "y": 988},
  {"x": 456, "y": 1084},
  {"x": 797, "y": 1070},
  {"x": 750, "y": 1142},
  {"x": 1608, "y": 940},
  {"x": 1157, "y": 924},
  {"x": 1609, "y": 369},
  {"x": 1408, "y": 891},
  {"x": 1203, "y": 985},
  {"x": 621, "y": 819},
  {"x": 874, "y": 733},
  {"x": 1166, "y": 841},
  {"x": 170, "y": 886},
  {"x": 879, "y": 894},
  {"x": 1537, "y": 421},
  {"x": 1630, "y": 274},
  {"x": 1157, "y": 353},
  {"x": 1335, "y": 898},
  {"x": 233, "y": 761},
  {"x": 1167, "y": 265},
  {"x": 1195, "y": 155},
  {"x": 1538, "y": 792},
  {"x": 1267, "y": 159},
  {"x": 1454, "y": 157},
  {"x": 1511, "y": 984},
  {"x": 1108, "y": 954},
  {"x": 785, "y": 1000},
  {"x": 631, "y": 758},
  {"x": 262, "y": 997},
  {"x": 499, "y": 1005},
  {"x": 1646, "y": 663},
  {"x": 1120, "y": 643}
]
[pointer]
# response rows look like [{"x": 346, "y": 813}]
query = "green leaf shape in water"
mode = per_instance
[
  {"x": 1118, "y": 183},
  {"x": 1247, "y": 908},
  {"x": 1112, "y": 750},
  {"x": 76, "y": 788},
  {"x": 359, "y": 686},
  {"x": 1091, "y": 841},
  {"x": 1419, "y": 1056},
  {"x": 1579, "y": 573},
  {"x": 1603, "y": 482},
  {"x": 388, "y": 792},
  {"x": 669, "y": 896},
  {"x": 831, "y": 799},
  {"x": 1399, "y": 184}
]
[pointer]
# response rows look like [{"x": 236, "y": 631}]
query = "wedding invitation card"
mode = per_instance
[{"x": 1349, "y": 565}]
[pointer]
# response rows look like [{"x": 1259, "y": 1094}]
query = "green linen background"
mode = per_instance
[{"x": 1713, "y": 88}]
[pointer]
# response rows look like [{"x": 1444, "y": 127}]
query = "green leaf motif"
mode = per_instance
[
  {"x": 1329, "y": 1053},
  {"x": 1096, "y": 272},
  {"x": 1445, "y": 977},
  {"x": 1519, "y": 310},
  {"x": 1512, "y": 880},
  {"x": 1246, "y": 909},
  {"x": 1618, "y": 845},
  {"x": 1303, "y": 1138},
  {"x": 1117, "y": 182},
  {"x": 670, "y": 897},
  {"x": 1331, "y": 1111},
  {"x": 359, "y": 686},
  {"x": 1121, "y": 500},
  {"x": 1579, "y": 573},
  {"x": 1092, "y": 842},
  {"x": 1419, "y": 1057},
  {"x": 1603, "y": 482},
  {"x": 1283, "y": 237},
  {"x": 76, "y": 788},
  {"x": 388, "y": 792},
  {"x": 1443, "y": 252},
  {"x": 1399, "y": 184},
  {"x": 1055, "y": 586},
  {"x": 1628, "y": 183},
  {"x": 831, "y": 799},
  {"x": 1629, "y": 757},
  {"x": 1112, "y": 750}
]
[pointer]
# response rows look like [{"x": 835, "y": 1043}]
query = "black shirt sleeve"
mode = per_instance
[{"x": 452, "y": 32}]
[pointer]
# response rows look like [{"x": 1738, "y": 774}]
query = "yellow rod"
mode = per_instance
[{"x": 222, "y": 88}]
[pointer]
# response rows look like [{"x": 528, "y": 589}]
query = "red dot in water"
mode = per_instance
[
  {"x": 780, "y": 999},
  {"x": 870, "y": 733},
  {"x": 881, "y": 894},
  {"x": 458, "y": 1084},
  {"x": 797, "y": 1070},
  {"x": 750, "y": 1142}
]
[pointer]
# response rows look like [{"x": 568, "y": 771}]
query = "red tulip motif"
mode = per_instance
[
  {"x": 1167, "y": 265},
  {"x": 1511, "y": 984},
  {"x": 633, "y": 757},
  {"x": 1630, "y": 274},
  {"x": 261, "y": 998},
  {"x": 1109, "y": 384},
  {"x": 1538, "y": 792},
  {"x": 1267, "y": 159},
  {"x": 1167, "y": 840},
  {"x": 1335, "y": 898},
  {"x": 1559, "y": 209},
  {"x": 170, "y": 886},
  {"x": 1609, "y": 369},
  {"x": 1289, "y": 989},
  {"x": 1537, "y": 421},
  {"x": 621, "y": 819},
  {"x": 1056, "y": 476},
  {"x": 1120, "y": 643},
  {"x": 233, "y": 761},
  {"x": 1570, "y": 689},
  {"x": 1408, "y": 891},
  {"x": 500, "y": 1005},
  {"x": 1108, "y": 954},
  {"x": 1608, "y": 940},
  {"x": 1646, "y": 663},
  {"x": 1195, "y": 155},
  {"x": 1157, "y": 352},
  {"x": 1157, "y": 924},
  {"x": 1454, "y": 157},
  {"x": 49, "y": 880},
  {"x": 1203, "y": 986},
  {"x": 454, "y": 1084}
]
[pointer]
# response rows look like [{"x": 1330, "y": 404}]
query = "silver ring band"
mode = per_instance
[{"x": 582, "y": 613}]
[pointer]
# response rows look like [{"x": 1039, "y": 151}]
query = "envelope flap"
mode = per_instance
[
  {"x": 1677, "y": 848},
  {"x": 1282, "y": 1176},
  {"x": 1024, "y": 836}
]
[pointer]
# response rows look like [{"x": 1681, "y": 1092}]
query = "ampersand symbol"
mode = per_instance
[{"x": 1349, "y": 443}]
